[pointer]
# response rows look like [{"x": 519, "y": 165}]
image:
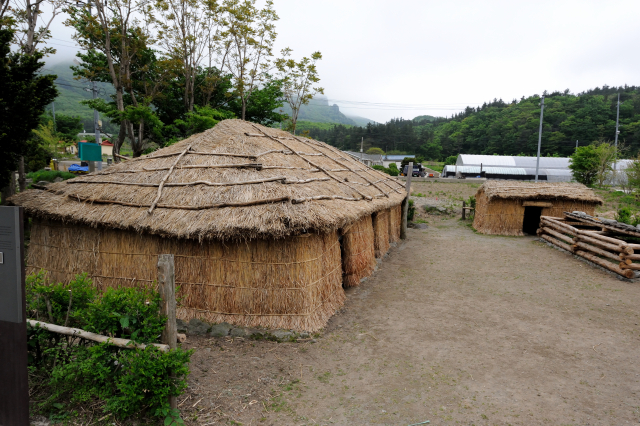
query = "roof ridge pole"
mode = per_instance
[{"x": 539, "y": 138}]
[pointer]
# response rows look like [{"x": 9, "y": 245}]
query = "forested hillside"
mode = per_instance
[
  {"x": 504, "y": 128},
  {"x": 71, "y": 92}
]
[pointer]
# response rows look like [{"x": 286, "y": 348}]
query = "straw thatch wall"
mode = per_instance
[
  {"x": 358, "y": 255},
  {"x": 500, "y": 210},
  {"x": 293, "y": 283},
  {"x": 395, "y": 223},
  {"x": 381, "y": 231}
]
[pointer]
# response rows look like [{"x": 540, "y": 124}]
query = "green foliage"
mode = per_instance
[
  {"x": 393, "y": 166},
  {"x": 197, "y": 121},
  {"x": 128, "y": 313},
  {"x": 451, "y": 160},
  {"x": 24, "y": 93},
  {"x": 626, "y": 215},
  {"x": 375, "y": 151},
  {"x": 390, "y": 171},
  {"x": 49, "y": 175},
  {"x": 584, "y": 164},
  {"x": 75, "y": 372}
]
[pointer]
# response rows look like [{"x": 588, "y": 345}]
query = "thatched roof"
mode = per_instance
[
  {"x": 237, "y": 180},
  {"x": 539, "y": 191}
]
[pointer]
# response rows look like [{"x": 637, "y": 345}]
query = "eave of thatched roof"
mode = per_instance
[
  {"x": 539, "y": 191},
  {"x": 237, "y": 180}
]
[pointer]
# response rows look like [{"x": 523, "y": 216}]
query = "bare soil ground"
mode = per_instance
[{"x": 455, "y": 328}]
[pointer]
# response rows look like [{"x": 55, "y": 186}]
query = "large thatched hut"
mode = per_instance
[
  {"x": 514, "y": 208},
  {"x": 264, "y": 226}
]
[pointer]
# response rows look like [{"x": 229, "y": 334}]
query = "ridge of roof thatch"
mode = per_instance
[
  {"x": 237, "y": 180},
  {"x": 539, "y": 191}
]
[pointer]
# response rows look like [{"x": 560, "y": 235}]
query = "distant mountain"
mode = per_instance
[
  {"x": 360, "y": 121},
  {"x": 72, "y": 91},
  {"x": 318, "y": 110}
]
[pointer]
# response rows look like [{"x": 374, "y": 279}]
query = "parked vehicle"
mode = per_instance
[{"x": 418, "y": 171}]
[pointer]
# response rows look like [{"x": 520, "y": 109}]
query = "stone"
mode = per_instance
[
  {"x": 58, "y": 179},
  {"x": 283, "y": 335},
  {"x": 254, "y": 333},
  {"x": 238, "y": 332},
  {"x": 420, "y": 225},
  {"x": 181, "y": 326},
  {"x": 197, "y": 327},
  {"x": 304, "y": 335},
  {"x": 220, "y": 330},
  {"x": 43, "y": 183}
]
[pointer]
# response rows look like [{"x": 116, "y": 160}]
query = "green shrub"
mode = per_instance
[
  {"x": 75, "y": 371},
  {"x": 49, "y": 175},
  {"x": 389, "y": 171},
  {"x": 628, "y": 216}
]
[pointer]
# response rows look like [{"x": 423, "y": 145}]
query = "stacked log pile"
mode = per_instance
[{"x": 593, "y": 240}]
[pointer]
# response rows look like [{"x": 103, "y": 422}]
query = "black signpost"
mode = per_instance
[{"x": 14, "y": 389}]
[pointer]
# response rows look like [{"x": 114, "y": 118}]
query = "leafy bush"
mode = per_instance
[
  {"x": 628, "y": 216},
  {"x": 49, "y": 175},
  {"x": 389, "y": 171},
  {"x": 71, "y": 371}
]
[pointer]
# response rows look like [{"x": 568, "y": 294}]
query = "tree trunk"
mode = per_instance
[
  {"x": 22, "y": 180},
  {"x": 119, "y": 142},
  {"x": 244, "y": 107}
]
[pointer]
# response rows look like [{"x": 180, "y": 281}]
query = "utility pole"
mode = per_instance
[
  {"x": 576, "y": 145},
  {"x": 539, "y": 138},
  {"x": 361, "y": 148},
  {"x": 615, "y": 162},
  {"x": 53, "y": 111}
]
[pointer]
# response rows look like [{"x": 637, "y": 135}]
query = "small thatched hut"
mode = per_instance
[
  {"x": 514, "y": 208},
  {"x": 264, "y": 226}
]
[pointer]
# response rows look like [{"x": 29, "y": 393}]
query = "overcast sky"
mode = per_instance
[{"x": 386, "y": 59}]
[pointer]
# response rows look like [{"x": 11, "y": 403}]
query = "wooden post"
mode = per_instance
[
  {"x": 463, "y": 210},
  {"x": 405, "y": 203},
  {"x": 167, "y": 289},
  {"x": 14, "y": 385}
]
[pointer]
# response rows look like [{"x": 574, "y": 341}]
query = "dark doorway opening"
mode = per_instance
[{"x": 531, "y": 221}]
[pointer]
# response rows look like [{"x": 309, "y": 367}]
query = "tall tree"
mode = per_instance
[
  {"x": 187, "y": 30},
  {"x": 249, "y": 34},
  {"x": 24, "y": 94},
  {"x": 298, "y": 79},
  {"x": 114, "y": 38}
]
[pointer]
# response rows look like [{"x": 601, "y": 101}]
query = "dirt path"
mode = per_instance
[{"x": 455, "y": 328}]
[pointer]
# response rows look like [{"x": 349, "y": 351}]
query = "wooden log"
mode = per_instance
[
  {"x": 185, "y": 207},
  {"x": 633, "y": 246},
  {"x": 164, "y": 179},
  {"x": 630, "y": 256},
  {"x": 603, "y": 238},
  {"x": 556, "y": 234},
  {"x": 598, "y": 243},
  {"x": 561, "y": 227},
  {"x": 596, "y": 250},
  {"x": 633, "y": 266},
  {"x": 87, "y": 335},
  {"x": 607, "y": 265},
  {"x": 121, "y": 157},
  {"x": 558, "y": 243}
]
